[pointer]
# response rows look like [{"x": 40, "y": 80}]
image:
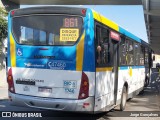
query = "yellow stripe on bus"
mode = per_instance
[
  {"x": 80, "y": 53},
  {"x": 102, "y": 19},
  {"x": 104, "y": 69},
  {"x": 12, "y": 51}
]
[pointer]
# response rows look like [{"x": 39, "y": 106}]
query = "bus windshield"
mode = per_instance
[{"x": 47, "y": 29}]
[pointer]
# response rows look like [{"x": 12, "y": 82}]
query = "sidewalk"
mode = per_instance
[
  {"x": 3, "y": 85},
  {"x": 3, "y": 81}
]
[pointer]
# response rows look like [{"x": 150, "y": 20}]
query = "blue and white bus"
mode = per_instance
[{"x": 73, "y": 59}]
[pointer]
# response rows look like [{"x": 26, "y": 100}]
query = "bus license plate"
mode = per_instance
[{"x": 44, "y": 90}]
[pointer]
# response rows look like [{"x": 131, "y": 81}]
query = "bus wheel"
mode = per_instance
[{"x": 123, "y": 98}]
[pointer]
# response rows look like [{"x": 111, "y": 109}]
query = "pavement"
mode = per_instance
[{"x": 3, "y": 85}]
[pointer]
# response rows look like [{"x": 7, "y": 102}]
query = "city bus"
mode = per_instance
[{"x": 73, "y": 59}]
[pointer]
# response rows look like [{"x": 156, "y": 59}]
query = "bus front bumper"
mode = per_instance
[{"x": 84, "y": 105}]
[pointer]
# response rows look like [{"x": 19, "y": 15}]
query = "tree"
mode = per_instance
[{"x": 3, "y": 24}]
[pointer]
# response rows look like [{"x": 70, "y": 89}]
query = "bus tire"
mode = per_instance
[{"x": 123, "y": 98}]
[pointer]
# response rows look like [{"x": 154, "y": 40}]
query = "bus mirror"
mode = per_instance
[{"x": 153, "y": 58}]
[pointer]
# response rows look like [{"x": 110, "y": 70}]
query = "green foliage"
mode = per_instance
[
  {"x": 3, "y": 24},
  {"x": 3, "y": 12}
]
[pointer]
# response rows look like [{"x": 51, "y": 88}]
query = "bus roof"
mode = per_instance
[
  {"x": 100, "y": 18},
  {"x": 49, "y": 10}
]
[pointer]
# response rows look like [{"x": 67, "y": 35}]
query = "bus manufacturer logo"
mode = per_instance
[{"x": 34, "y": 65}]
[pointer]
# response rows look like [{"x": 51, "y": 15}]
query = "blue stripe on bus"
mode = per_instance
[
  {"x": 133, "y": 67},
  {"x": 89, "y": 56},
  {"x": 128, "y": 34},
  {"x": 140, "y": 66}
]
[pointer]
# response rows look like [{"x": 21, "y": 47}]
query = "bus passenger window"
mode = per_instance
[
  {"x": 34, "y": 30},
  {"x": 99, "y": 54},
  {"x": 146, "y": 56},
  {"x": 141, "y": 55},
  {"x": 102, "y": 47},
  {"x": 137, "y": 54},
  {"x": 129, "y": 52},
  {"x": 122, "y": 52}
]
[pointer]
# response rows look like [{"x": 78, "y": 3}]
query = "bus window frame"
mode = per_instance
[
  {"x": 96, "y": 23},
  {"x": 146, "y": 51},
  {"x": 135, "y": 53},
  {"x": 77, "y": 41},
  {"x": 123, "y": 38},
  {"x": 142, "y": 52},
  {"x": 129, "y": 40}
]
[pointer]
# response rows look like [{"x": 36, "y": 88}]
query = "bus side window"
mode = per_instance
[
  {"x": 129, "y": 45},
  {"x": 141, "y": 55},
  {"x": 98, "y": 47},
  {"x": 146, "y": 56},
  {"x": 122, "y": 52},
  {"x": 137, "y": 54},
  {"x": 105, "y": 46},
  {"x": 102, "y": 47}
]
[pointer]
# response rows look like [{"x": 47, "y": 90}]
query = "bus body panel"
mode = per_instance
[
  {"x": 134, "y": 76},
  {"x": 55, "y": 82},
  {"x": 52, "y": 104},
  {"x": 48, "y": 83},
  {"x": 104, "y": 95}
]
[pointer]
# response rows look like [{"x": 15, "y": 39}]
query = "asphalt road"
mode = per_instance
[{"x": 145, "y": 103}]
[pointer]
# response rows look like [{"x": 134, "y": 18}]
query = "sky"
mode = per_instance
[{"x": 130, "y": 17}]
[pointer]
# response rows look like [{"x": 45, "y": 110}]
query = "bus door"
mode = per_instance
[
  {"x": 106, "y": 67},
  {"x": 114, "y": 40}
]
